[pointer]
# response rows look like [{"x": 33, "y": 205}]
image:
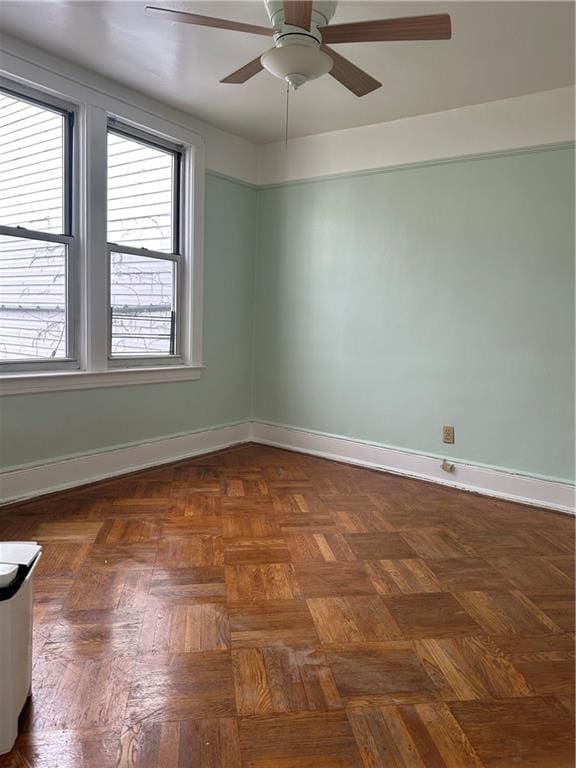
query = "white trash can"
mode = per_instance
[{"x": 18, "y": 561}]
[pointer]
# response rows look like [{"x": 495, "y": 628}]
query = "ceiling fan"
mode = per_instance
[{"x": 301, "y": 31}]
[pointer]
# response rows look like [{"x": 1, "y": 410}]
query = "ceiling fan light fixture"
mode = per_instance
[{"x": 297, "y": 64}]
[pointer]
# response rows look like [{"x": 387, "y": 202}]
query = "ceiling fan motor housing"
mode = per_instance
[
  {"x": 322, "y": 13},
  {"x": 297, "y": 57}
]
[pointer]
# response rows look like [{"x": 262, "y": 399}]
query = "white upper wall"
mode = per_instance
[
  {"x": 523, "y": 121},
  {"x": 539, "y": 118}
]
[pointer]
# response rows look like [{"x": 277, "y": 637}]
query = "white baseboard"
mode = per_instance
[
  {"x": 468, "y": 477},
  {"x": 28, "y": 482}
]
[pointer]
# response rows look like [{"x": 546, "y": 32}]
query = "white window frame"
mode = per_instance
[
  {"x": 68, "y": 238},
  {"x": 94, "y": 108}
]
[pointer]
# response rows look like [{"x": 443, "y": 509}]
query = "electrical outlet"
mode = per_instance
[{"x": 447, "y": 434}]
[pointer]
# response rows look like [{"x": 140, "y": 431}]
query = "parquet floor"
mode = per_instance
[{"x": 265, "y": 609}]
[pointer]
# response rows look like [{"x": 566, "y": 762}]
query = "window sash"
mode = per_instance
[
  {"x": 70, "y": 361},
  {"x": 128, "y": 361},
  {"x": 177, "y": 152},
  {"x": 68, "y": 237},
  {"x": 68, "y": 112}
]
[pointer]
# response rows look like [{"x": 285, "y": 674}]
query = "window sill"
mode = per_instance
[{"x": 32, "y": 383}]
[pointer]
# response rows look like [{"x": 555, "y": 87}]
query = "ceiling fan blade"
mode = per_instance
[
  {"x": 244, "y": 73},
  {"x": 209, "y": 21},
  {"x": 351, "y": 76},
  {"x": 298, "y": 13},
  {"x": 434, "y": 27}
]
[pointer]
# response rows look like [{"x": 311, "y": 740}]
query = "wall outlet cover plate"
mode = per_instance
[{"x": 448, "y": 434}]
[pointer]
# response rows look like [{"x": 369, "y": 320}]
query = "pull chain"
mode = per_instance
[{"x": 287, "y": 106}]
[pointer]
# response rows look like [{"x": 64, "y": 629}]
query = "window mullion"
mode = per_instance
[{"x": 93, "y": 238}]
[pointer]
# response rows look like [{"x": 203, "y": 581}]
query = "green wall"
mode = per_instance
[
  {"x": 384, "y": 305},
  {"x": 391, "y": 303},
  {"x": 36, "y": 428}
]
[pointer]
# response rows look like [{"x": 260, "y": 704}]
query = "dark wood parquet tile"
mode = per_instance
[
  {"x": 503, "y": 613},
  {"x": 360, "y": 517},
  {"x": 283, "y": 679},
  {"x": 197, "y": 505},
  {"x": 300, "y": 740},
  {"x": 250, "y": 526},
  {"x": 256, "y": 550},
  {"x": 535, "y": 574},
  {"x": 390, "y": 577},
  {"x": 388, "y": 673},
  {"x": 252, "y": 583},
  {"x": 262, "y": 608},
  {"x": 122, "y": 557},
  {"x": 565, "y": 564},
  {"x": 319, "y": 547},
  {"x": 471, "y": 668},
  {"x": 361, "y": 619},
  {"x": 379, "y": 546},
  {"x": 564, "y": 543},
  {"x": 559, "y": 608},
  {"x": 192, "y": 551},
  {"x": 272, "y": 622},
  {"x": 94, "y": 633},
  {"x": 181, "y": 686},
  {"x": 50, "y": 592},
  {"x": 370, "y": 521},
  {"x": 514, "y": 541},
  {"x": 411, "y": 736},
  {"x": 210, "y": 743},
  {"x": 435, "y": 614},
  {"x": 128, "y": 531},
  {"x": 81, "y": 531},
  {"x": 302, "y": 514},
  {"x": 188, "y": 585},
  {"x": 105, "y": 589},
  {"x": 466, "y": 574},
  {"x": 60, "y": 558},
  {"x": 333, "y": 579},
  {"x": 78, "y": 748},
  {"x": 184, "y": 627},
  {"x": 22, "y": 528},
  {"x": 436, "y": 543},
  {"x": 263, "y": 507},
  {"x": 509, "y": 733},
  {"x": 181, "y": 526},
  {"x": 79, "y": 692},
  {"x": 545, "y": 661}
]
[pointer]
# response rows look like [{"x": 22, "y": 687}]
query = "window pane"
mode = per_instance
[
  {"x": 32, "y": 299},
  {"x": 31, "y": 166},
  {"x": 140, "y": 195},
  {"x": 142, "y": 300}
]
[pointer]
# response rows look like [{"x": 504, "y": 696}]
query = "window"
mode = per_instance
[
  {"x": 101, "y": 240},
  {"x": 37, "y": 247},
  {"x": 143, "y": 183}
]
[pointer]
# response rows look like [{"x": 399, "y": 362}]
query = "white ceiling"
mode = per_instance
[{"x": 498, "y": 50}]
